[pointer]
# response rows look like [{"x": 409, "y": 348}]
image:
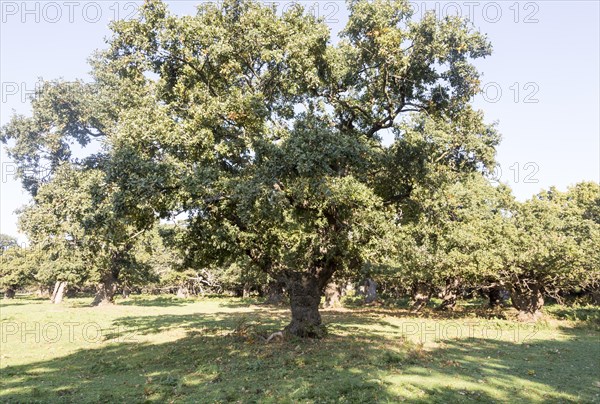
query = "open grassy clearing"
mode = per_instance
[{"x": 159, "y": 349}]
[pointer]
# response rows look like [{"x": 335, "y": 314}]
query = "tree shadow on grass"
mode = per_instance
[
  {"x": 220, "y": 323},
  {"x": 219, "y": 359},
  {"x": 158, "y": 301},
  {"x": 20, "y": 300},
  {"x": 259, "y": 319},
  {"x": 241, "y": 302},
  {"x": 502, "y": 371},
  {"x": 13, "y": 302}
]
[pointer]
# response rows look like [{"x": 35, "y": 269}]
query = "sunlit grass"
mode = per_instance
[{"x": 160, "y": 349}]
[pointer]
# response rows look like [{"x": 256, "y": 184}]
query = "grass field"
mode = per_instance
[{"x": 160, "y": 349}]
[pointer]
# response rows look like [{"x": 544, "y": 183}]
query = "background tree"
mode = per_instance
[
  {"x": 449, "y": 242},
  {"x": 7, "y": 242},
  {"x": 18, "y": 266},
  {"x": 553, "y": 243},
  {"x": 75, "y": 219}
]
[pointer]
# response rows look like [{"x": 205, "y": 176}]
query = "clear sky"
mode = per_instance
[{"x": 542, "y": 80}]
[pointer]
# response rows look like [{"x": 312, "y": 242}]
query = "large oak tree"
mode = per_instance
[{"x": 267, "y": 133}]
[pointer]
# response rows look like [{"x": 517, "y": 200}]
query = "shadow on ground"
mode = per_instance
[
  {"x": 222, "y": 358},
  {"x": 158, "y": 301}
]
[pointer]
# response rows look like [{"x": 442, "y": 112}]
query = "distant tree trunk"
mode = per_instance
[
  {"x": 304, "y": 290},
  {"x": 275, "y": 292},
  {"x": 59, "y": 292},
  {"x": 529, "y": 300},
  {"x": 449, "y": 294},
  {"x": 370, "y": 290},
  {"x": 421, "y": 293},
  {"x": 183, "y": 292},
  {"x": 495, "y": 295},
  {"x": 246, "y": 291},
  {"x": 595, "y": 296},
  {"x": 9, "y": 293},
  {"x": 106, "y": 290},
  {"x": 332, "y": 295},
  {"x": 42, "y": 291}
]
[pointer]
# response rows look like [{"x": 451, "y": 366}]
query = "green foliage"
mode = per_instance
[
  {"x": 452, "y": 232},
  {"x": 63, "y": 113},
  {"x": 554, "y": 240},
  {"x": 74, "y": 222},
  {"x": 19, "y": 267},
  {"x": 7, "y": 242},
  {"x": 269, "y": 135}
]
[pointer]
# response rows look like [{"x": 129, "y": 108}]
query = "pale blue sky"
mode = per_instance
[{"x": 550, "y": 126}]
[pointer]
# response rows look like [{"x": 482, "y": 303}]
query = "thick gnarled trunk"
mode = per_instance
[
  {"x": 529, "y": 300},
  {"x": 497, "y": 296},
  {"x": 183, "y": 292},
  {"x": 105, "y": 290},
  {"x": 370, "y": 290},
  {"x": 9, "y": 293},
  {"x": 421, "y": 293},
  {"x": 304, "y": 290},
  {"x": 449, "y": 295}
]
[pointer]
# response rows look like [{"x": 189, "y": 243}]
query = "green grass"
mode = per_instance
[{"x": 160, "y": 349}]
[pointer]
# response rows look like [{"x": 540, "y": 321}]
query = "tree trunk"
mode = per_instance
[
  {"x": 105, "y": 290},
  {"x": 449, "y": 301},
  {"x": 497, "y": 296},
  {"x": 305, "y": 295},
  {"x": 246, "y": 291},
  {"x": 9, "y": 293},
  {"x": 421, "y": 294},
  {"x": 332, "y": 295},
  {"x": 528, "y": 300},
  {"x": 183, "y": 292},
  {"x": 53, "y": 295},
  {"x": 59, "y": 292},
  {"x": 370, "y": 287},
  {"x": 275, "y": 293},
  {"x": 449, "y": 295},
  {"x": 43, "y": 291},
  {"x": 595, "y": 297}
]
